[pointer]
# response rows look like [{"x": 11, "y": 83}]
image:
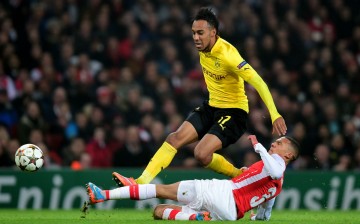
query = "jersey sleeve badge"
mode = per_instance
[{"x": 242, "y": 64}]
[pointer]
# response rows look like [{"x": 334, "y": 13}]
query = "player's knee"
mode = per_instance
[
  {"x": 174, "y": 139},
  {"x": 158, "y": 211},
  {"x": 204, "y": 158}
]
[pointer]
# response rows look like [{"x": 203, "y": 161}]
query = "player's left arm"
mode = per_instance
[
  {"x": 240, "y": 67},
  {"x": 261, "y": 87},
  {"x": 246, "y": 72},
  {"x": 263, "y": 212}
]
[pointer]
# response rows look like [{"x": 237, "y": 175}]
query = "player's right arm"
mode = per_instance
[{"x": 273, "y": 164}]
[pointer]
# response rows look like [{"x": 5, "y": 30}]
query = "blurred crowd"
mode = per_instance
[{"x": 100, "y": 84}]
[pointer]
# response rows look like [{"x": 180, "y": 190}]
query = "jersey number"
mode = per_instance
[
  {"x": 256, "y": 200},
  {"x": 223, "y": 120}
]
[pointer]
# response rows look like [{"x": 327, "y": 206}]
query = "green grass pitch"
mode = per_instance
[{"x": 132, "y": 216}]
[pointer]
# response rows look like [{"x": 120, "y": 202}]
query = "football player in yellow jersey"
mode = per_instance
[{"x": 221, "y": 120}]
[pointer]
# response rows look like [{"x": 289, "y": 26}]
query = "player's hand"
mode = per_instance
[
  {"x": 253, "y": 139},
  {"x": 252, "y": 215},
  {"x": 279, "y": 126},
  {"x": 243, "y": 169}
]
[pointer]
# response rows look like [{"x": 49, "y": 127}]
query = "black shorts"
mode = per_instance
[{"x": 228, "y": 124}]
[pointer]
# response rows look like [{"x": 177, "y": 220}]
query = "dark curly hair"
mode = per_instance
[{"x": 208, "y": 15}]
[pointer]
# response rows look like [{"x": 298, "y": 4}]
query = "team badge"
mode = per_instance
[{"x": 217, "y": 63}]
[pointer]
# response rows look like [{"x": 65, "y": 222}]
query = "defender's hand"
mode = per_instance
[
  {"x": 252, "y": 215},
  {"x": 279, "y": 126},
  {"x": 253, "y": 139},
  {"x": 243, "y": 169}
]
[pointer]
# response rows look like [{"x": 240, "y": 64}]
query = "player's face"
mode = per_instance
[
  {"x": 281, "y": 147},
  {"x": 203, "y": 34}
]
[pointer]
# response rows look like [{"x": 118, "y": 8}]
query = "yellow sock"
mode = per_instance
[
  {"x": 220, "y": 165},
  {"x": 158, "y": 162}
]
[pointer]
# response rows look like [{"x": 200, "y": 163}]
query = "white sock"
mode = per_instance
[
  {"x": 134, "y": 192},
  {"x": 174, "y": 214}
]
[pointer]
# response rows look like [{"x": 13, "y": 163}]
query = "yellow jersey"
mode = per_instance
[{"x": 225, "y": 71}]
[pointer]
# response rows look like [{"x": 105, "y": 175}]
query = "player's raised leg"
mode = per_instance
[
  {"x": 205, "y": 154},
  {"x": 185, "y": 134},
  {"x": 158, "y": 162}
]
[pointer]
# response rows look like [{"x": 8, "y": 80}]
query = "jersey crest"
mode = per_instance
[{"x": 217, "y": 63}]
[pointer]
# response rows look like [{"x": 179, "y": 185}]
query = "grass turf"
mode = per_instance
[{"x": 132, "y": 216}]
